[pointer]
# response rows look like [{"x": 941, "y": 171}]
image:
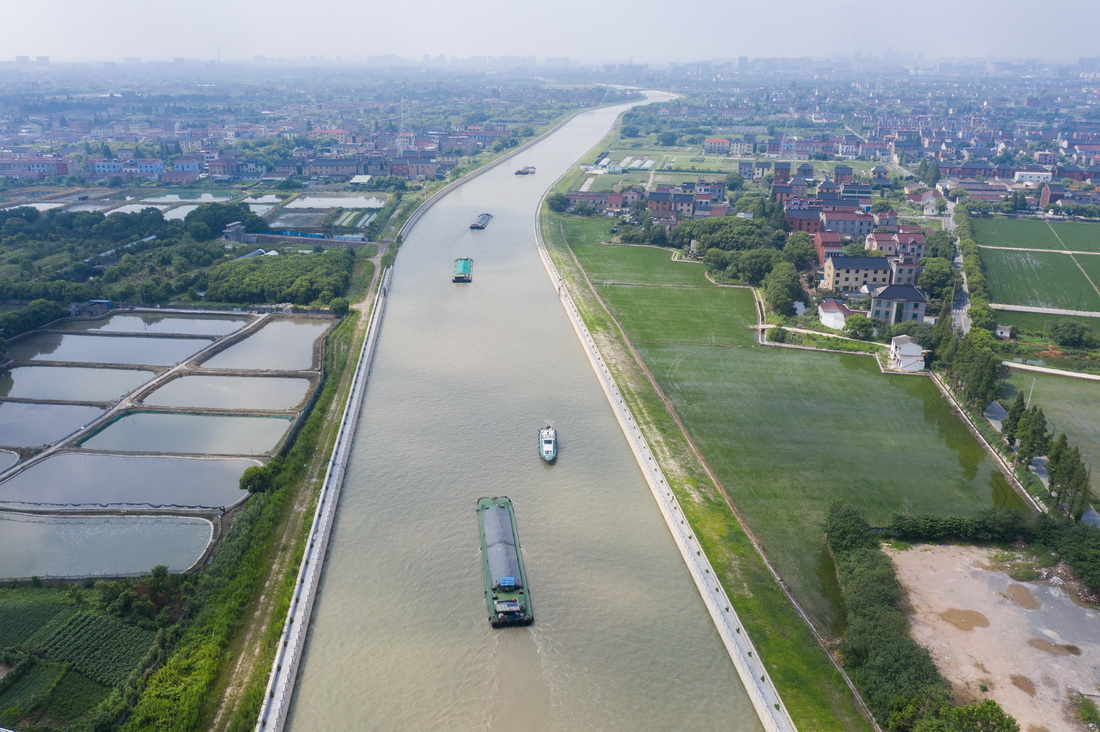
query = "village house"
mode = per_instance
[
  {"x": 828, "y": 244},
  {"x": 848, "y": 274},
  {"x": 832, "y": 314},
  {"x": 896, "y": 303},
  {"x": 906, "y": 354}
]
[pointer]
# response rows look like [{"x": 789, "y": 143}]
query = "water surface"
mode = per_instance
[
  {"x": 24, "y": 424},
  {"x": 463, "y": 378},
  {"x": 230, "y": 392},
  {"x": 337, "y": 202},
  {"x": 73, "y": 479},
  {"x": 7, "y": 459},
  {"x": 79, "y": 348},
  {"x": 70, "y": 383},
  {"x": 41, "y": 546},
  {"x": 284, "y": 344},
  {"x": 178, "y": 323},
  {"x": 195, "y": 434}
]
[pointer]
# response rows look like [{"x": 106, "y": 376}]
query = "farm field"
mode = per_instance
[
  {"x": 1038, "y": 279},
  {"x": 64, "y": 661},
  {"x": 787, "y": 432},
  {"x": 1035, "y": 234},
  {"x": 1091, "y": 264},
  {"x": 1041, "y": 322},
  {"x": 1070, "y": 405}
]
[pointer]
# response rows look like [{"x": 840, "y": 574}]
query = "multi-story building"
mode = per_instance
[{"x": 846, "y": 274}]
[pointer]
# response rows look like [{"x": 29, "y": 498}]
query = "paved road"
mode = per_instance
[{"x": 1047, "y": 311}]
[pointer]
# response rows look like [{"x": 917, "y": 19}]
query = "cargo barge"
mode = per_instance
[
  {"x": 482, "y": 221},
  {"x": 464, "y": 270},
  {"x": 526, "y": 170},
  {"x": 506, "y": 595}
]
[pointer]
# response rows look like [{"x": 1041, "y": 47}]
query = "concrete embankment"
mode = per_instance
[
  {"x": 765, "y": 698},
  {"x": 288, "y": 657}
]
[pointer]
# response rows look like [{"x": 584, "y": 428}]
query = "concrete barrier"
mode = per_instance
[
  {"x": 280, "y": 686},
  {"x": 762, "y": 692}
]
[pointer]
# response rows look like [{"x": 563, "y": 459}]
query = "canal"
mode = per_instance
[{"x": 463, "y": 377}]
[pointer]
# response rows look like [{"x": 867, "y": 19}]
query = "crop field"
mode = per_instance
[
  {"x": 1041, "y": 322},
  {"x": 1091, "y": 264},
  {"x": 20, "y": 618},
  {"x": 1070, "y": 405},
  {"x": 1022, "y": 233},
  {"x": 1038, "y": 279},
  {"x": 103, "y": 648},
  {"x": 1074, "y": 236},
  {"x": 711, "y": 316},
  {"x": 74, "y": 696},
  {"x": 788, "y": 432},
  {"x": 22, "y": 695}
]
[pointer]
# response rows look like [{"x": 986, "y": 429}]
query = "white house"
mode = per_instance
[
  {"x": 906, "y": 354},
  {"x": 832, "y": 314}
]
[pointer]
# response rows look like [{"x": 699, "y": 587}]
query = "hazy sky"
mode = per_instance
[{"x": 652, "y": 31}]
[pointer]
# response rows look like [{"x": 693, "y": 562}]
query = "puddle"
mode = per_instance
[
  {"x": 1023, "y": 597},
  {"x": 1054, "y": 648},
  {"x": 965, "y": 619},
  {"x": 1023, "y": 683}
]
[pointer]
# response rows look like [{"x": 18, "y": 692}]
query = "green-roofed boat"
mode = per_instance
[
  {"x": 506, "y": 594},
  {"x": 464, "y": 270}
]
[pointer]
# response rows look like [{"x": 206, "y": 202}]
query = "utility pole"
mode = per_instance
[{"x": 1030, "y": 392}]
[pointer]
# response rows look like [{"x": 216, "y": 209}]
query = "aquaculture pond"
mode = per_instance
[
  {"x": 129, "y": 350},
  {"x": 281, "y": 345},
  {"x": 136, "y": 208},
  {"x": 176, "y": 323},
  {"x": 179, "y": 212},
  {"x": 43, "y": 546},
  {"x": 231, "y": 392},
  {"x": 190, "y": 198},
  {"x": 105, "y": 481},
  {"x": 337, "y": 202},
  {"x": 7, "y": 459},
  {"x": 193, "y": 434},
  {"x": 23, "y": 424},
  {"x": 70, "y": 383}
]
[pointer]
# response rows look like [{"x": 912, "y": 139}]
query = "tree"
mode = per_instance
[
  {"x": 339, "y": 306},
  {"x": 859, "y": 326},
  {"x": 936, "y": 277},
  {"x": 257, "y": 479},
  {"x": 881, "y": 206},
  {"x": 630, "y": 131},
  {"x": 940, "y": 205},
  {"x": 940, "y": 244},
  {"x": 799, "y": 250},
  {"x": 782, "y": 287},
  {"x": 1012, "y": 421},
  {"x": 734, "y": 182},
  {"x": 667, "y": 139},
  {"x": 1070, "y": 334},
  {"x": 557, "y": 202},
  {"x": 1034, "y": 439}
]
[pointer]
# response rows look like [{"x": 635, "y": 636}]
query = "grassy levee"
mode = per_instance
[
  {"x": 185, "y": 693},
  {"x": 813, "y": 690}
]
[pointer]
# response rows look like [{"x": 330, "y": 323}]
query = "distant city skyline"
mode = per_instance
[{"x": 644, "y": 31}]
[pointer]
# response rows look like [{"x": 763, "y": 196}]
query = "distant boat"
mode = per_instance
[
  {"x": 464, "y": 270},
  {"x": 548, "y": 444},
  {"x": 482, "y": 221},
  {"x": 506, "y": 595},
  {"x": 526, "y": 170}
]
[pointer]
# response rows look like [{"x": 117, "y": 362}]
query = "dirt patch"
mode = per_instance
[
  {"x": 1035, "y": 628},
  {"x": 1023, "y": 596},
  {"x": 965, "y": 619}
]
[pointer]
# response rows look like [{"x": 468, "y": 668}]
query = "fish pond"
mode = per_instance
[
  {"x": 32, "y": 425},
  {"x": 231, "y": 392},
  {"x": 7, "y": 459},
  {"x": 106, "y": 481},
  {"x": 281, "y": 345},
  {"x": 184, "y": 197},
  {"x": 193, "y": 434},
  {"x": 79, "y": 348},
  {"x": 70, "y": 383},
  {"x": 148, "y": 322},
  {"x": 337, "y": 202},
  {"x": 41, "y": 546}
]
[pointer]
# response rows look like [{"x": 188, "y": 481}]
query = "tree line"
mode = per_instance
[{"x": 302, "y": 279}]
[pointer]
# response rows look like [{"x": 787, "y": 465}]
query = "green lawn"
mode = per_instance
[
  {"x": 787, "y": 432},
  {"x": 1070, "y": 405},
  {"x": 1038, "y": 279},
  {"x": 1040, "y": 322}
]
